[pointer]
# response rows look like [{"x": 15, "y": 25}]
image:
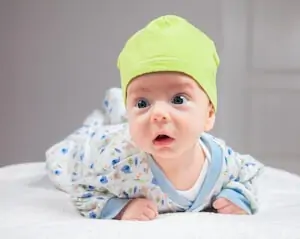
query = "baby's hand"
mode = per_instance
[
  {"x": 224, "y": 206},
  {"x": 139, "y": 209}
]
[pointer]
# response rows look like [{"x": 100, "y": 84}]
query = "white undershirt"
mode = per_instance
[{"x": 192, "y": 193}]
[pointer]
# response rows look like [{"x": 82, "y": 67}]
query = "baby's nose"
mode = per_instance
[
  {"x": 158, "y": 118},
  {"x": 159, "y": 113}
]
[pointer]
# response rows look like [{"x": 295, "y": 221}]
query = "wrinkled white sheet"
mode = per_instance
[{"x": 30, "y": 207}]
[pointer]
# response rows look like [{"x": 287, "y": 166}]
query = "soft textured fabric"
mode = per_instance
[
  {"x": 112, "y": 114},
  {"x": 171, "y": 43},
  {"x": 32, "y": 208},
  {"x": 102, "y": 170}
]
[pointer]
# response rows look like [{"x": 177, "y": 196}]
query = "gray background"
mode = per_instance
[{"x": 58, "y": 57}]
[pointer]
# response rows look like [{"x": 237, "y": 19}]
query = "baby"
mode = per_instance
[{"x": 163, "y": 160}]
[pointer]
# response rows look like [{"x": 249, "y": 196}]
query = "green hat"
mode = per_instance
[{"x": 171, "y": 43}]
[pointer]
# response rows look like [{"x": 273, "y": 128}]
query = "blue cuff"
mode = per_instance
[
  {"x": 113, "y": 207},
  {"x": 237, "y": 198}
]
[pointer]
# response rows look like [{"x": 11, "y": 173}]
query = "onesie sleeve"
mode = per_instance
[
  {"x": 95, "y": 184},
  {"x": 241, "y": 185}
]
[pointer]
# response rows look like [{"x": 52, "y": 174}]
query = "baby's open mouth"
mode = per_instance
[{"x": 162, "y": 139}]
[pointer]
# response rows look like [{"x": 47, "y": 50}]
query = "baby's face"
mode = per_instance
[{"x": 167, "y": 112}]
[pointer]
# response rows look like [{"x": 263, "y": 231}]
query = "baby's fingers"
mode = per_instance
[
  {"x": 226, "y": 210},
  {"x": 149, "y": 213},
  {"x": 221, "y": 203},
  {"x": 231, "y": 209}
]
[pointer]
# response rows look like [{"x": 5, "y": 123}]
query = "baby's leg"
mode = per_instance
[
  {"x": 60, "y": 157},
  {"x": 114, "y": 107}
]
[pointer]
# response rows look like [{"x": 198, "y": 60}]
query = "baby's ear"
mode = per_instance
[{"x": 211, "y": 118}]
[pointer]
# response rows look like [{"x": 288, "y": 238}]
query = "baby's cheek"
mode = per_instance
[
  {"x": 137, "y": 134},
  {"x": 194, "y": 129}
]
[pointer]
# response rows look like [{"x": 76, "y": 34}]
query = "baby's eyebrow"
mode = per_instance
[
  {"x": 138, "y": 90},
  {"x": 182, "y": 86}
]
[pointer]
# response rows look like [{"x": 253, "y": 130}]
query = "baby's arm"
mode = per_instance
[
  {"x": 96, "y": 201},
  {"x": 95, "y": 185},
  {"x": 240, "y": 186}
]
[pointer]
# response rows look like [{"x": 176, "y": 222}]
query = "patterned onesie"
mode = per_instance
[{"x": 103, "y": 170}]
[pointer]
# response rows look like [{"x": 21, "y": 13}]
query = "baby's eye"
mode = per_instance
[
  {"x": 142, "y": 103},
  {"x": 179, "y": 99}
]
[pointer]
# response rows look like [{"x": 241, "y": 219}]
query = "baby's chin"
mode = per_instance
[
  {"x": 167, "y": 152},
  {"x": 163, "y": 154}
]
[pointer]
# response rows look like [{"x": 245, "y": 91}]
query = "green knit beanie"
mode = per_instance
[{"x": 171, "y": 43}]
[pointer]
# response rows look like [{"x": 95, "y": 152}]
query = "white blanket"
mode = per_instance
[{"x": 30, "y": 207}]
